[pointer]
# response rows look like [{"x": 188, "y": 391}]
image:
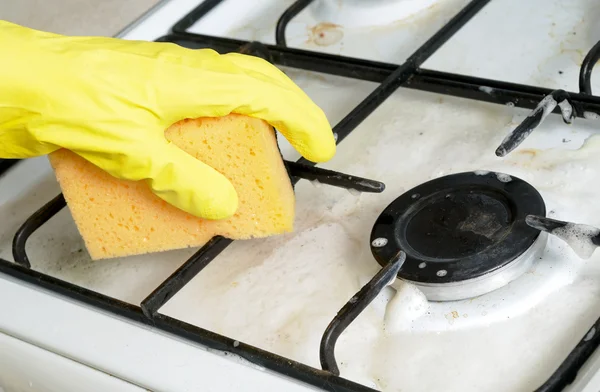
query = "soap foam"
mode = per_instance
[
  {"x": 503, "y": 177},
  {"x": 407, "y": 305},
  {"x": 579, "y": 237}
]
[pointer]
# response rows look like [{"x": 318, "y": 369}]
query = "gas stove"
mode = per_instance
[{"x": 468, "y": 272}]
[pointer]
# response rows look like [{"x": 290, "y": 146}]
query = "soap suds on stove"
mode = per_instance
[
  {"x": 546, "y": 105},
  {"x": 503, "y": 177},
  {"x": 579, "y": 237},
  {"x": 566, "y": 110},
  {"x": 407, "y": 305}
]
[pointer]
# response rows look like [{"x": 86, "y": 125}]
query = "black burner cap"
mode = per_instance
[{"x": 458, "y": 227}]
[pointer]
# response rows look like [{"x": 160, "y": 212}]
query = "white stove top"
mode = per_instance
[{"x": 279, "y": 294}]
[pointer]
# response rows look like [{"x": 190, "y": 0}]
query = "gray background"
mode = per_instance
[{"x": 75, "y": 17}]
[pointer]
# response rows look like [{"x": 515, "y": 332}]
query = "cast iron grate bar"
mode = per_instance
[
  {"x": 493, "y": 91},
  {"x": 585, "y": 73},
  {"x": 192, "y": 267},
  {"x": 333, "y": 178},
  {"x": 195, "y": 15},
  {"x": 354, "y": 308},
  {"x": 567, "y": 371},
  {"x": 286, "y": 18},
  {"x": 350, "y": 67},
  {"x": 34, "y": 222},
  {"x": 425, "y": 80}
]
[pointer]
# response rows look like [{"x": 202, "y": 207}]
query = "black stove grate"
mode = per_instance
[{"x": 390, "y": 77}]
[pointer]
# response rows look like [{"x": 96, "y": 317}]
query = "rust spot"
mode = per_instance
[
  {"x": 325, "y": 34},
  {"x": 532, "y": 152},
  {"x": 455, "y": 314}
]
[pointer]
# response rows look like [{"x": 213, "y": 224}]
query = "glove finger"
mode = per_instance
[
  {"x": 259, "y": 90},
  {"x": 174, "y": 176},
  {"x": 299, "y": 120}
]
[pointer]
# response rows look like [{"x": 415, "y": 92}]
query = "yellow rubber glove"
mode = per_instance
[{"x": 110, "y": 101}]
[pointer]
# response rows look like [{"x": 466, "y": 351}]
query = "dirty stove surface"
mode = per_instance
[{"x": 279, "y": 294}]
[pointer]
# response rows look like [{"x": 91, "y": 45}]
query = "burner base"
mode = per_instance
[{"x": 476, "y": 287}]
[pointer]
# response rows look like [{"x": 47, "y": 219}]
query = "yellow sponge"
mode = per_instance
[{"x": 121, "y": 218}]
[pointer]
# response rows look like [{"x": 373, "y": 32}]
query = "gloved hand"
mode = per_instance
[{"x": 110, "y": 101}]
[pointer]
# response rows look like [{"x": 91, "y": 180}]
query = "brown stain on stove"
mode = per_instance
[
  {"x": 451, "y": 316},
  {"x": 526, "y": 156},
  {"x": 569, "y": 42},
  {"x": 568, "y": 46},
  {"x": 577, "y": 55},
  {"x": 325, "y": 34},
  {"x": 540, "y": 159},
  {"x": 530, "y": 152}
]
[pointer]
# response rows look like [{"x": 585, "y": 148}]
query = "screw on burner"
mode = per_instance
[{"x": 379, "y": 242}]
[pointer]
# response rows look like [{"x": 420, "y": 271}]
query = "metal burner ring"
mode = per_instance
[{"x": 456, "y": 291}]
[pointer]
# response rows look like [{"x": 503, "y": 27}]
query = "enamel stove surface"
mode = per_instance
[
  {"x": 253, "y": 318},
  {"x": 464, "y": 234}
]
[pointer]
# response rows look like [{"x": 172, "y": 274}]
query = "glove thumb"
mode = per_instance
[
  {"x": 190, "y": 185},
  {"x": 177, "y": 178}
]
